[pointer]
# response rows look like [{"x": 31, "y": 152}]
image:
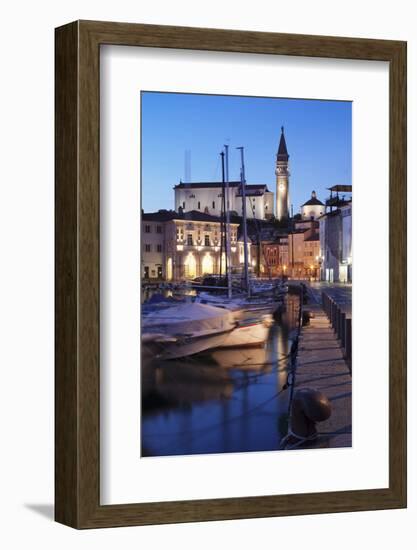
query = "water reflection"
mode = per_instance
[
  {"x": 169, "y": 292},
  {"x": 230, "y": 400}
]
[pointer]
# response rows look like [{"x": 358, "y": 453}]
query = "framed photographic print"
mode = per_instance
[{"x": 230, "y": 330}]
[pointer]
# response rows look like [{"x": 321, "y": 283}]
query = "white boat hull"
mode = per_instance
[
  {"x": 166, "y": 347},
  {"x": 240, "y": 306},
  {"x": 186, "y": 329},
  {"x": 247, "y": 335}
]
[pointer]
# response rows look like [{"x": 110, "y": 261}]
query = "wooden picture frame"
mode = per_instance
[{"x": 77, "y": 371}]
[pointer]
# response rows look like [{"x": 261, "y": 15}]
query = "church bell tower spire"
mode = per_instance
[{"x": 282, "y": 177}]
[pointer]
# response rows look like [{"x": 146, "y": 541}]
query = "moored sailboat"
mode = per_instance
[
  {"x": 186, "y": 329},
  {"x": 252, "y": 296}
]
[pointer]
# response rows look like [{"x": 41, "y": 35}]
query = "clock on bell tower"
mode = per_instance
[{"x": 282, "y": 178}]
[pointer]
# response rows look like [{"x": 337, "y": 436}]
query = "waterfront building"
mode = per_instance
[
  {"x": 153, "y": 247},
  {"x": 292, "y": 250},
  {"x": 312, "y": 256},
  {"x": 187, "y": 245},
  {"x": 206, "y": 197},
  {"x": 275, "y": 259},
  {"x": 296, "y": 268},
  {"x": 336, "y": 237}
]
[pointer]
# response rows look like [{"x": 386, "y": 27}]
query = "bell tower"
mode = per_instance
[{"x": 283, "y": 177}]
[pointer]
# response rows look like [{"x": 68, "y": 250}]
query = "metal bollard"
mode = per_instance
[
  {"x": 325, "y": 303},
  {"x": 343, "y": 329},
  {"x": 348, "y": 345},
  {"x": 334, "y": 315},
  {"x": 339, "y": 323}
]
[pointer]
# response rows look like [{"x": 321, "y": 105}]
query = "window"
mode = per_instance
[
  {"x": 190, "y": 240},
  {"x": 147, "y": 247},
  {"x": 183, "y": 204},
  {"x": 198, "y": 205},
  {"x": 159, "y": 247},
  {"x": 207, "y": 240},
  {"x": 147, "y": 228},
  {"x": 158, "y": 229},
  {"x": 146, "y": 272},
  {"x": 214, "y": 205}
]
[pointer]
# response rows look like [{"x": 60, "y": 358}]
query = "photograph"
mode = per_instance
[
  {"x": 203, "y": 345},
  {"x": 246, "y": 273}
]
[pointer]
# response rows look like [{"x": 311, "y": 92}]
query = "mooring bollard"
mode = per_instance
[{"x": 309, "y": 406}]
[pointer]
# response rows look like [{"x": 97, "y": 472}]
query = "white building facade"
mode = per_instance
[
  {"x": 206, "y": 197},
  {"x": 153, "y": 249},
  {"x": 179, "y": 246},
  {"x": 313, "y": 208},
  {"x": 336, "y": 245}
]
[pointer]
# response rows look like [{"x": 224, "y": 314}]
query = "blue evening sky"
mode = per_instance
[{"x": 318, "y": 136}]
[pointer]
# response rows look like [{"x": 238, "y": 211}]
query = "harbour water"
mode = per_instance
[{"x": 223, "y": 401}]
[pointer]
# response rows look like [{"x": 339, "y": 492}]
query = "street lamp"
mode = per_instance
[{"x": 320, "y": 261}]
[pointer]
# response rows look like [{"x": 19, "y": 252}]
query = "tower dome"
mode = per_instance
[{"x": 313, "y": 208}]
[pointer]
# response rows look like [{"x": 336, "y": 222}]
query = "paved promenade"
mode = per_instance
[{"x": 320, "y": 365}]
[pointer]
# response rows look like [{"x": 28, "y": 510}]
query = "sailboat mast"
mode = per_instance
[
  {"x": 245, "y": 229},
  {"x": 222, "y": 222},
  {"x": 227, "y": 210}
]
